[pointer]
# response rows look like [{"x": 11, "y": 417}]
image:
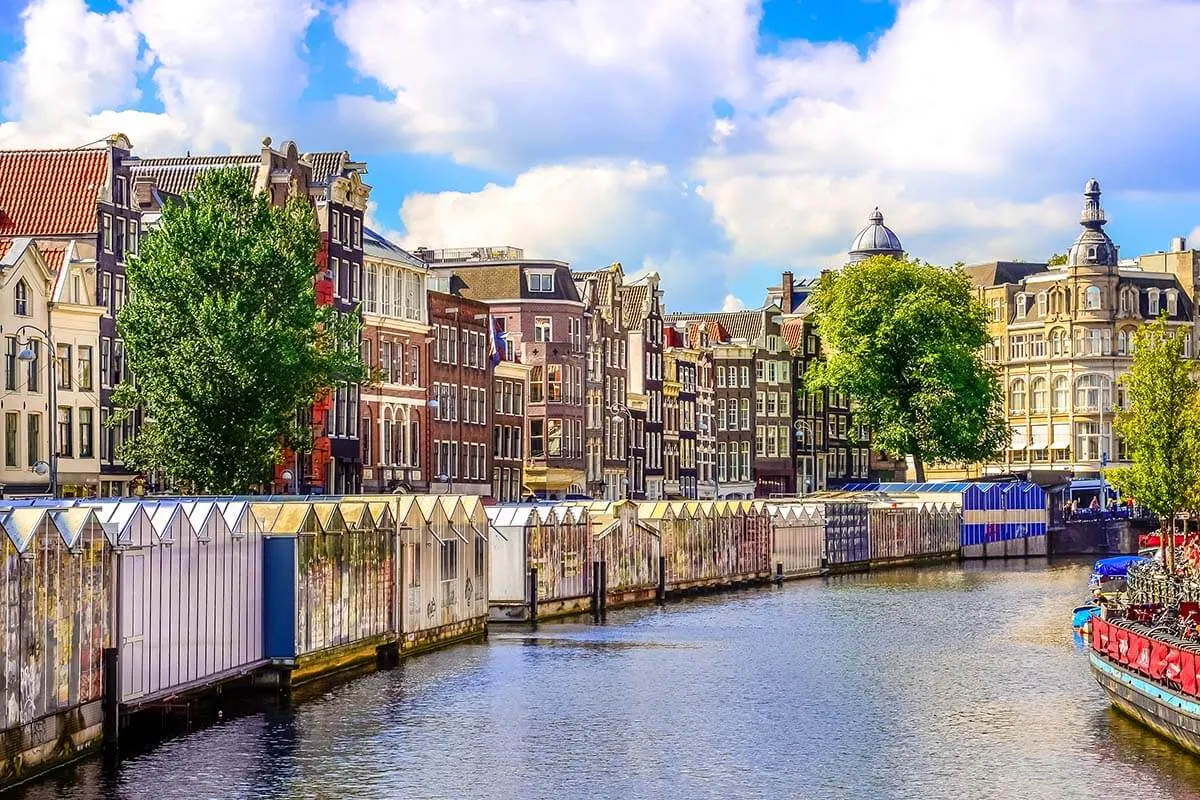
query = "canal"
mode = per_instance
[{"x": 942, "y": 682}]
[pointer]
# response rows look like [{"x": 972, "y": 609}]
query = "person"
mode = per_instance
[{"x": 1095, "y": 504}]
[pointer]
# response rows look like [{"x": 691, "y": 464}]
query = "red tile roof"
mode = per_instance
[
  {"x": 50, "y": 192},
  {"x": 5, "y": 244},
  {"x": 792, "y": 331},
  {"x": 53, "y": 255}
]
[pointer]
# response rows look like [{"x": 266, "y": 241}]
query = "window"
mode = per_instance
[
  {"x": 1152, "y": 296},
  {"x": 335, "y": 226},
  {"x": 357, "y": 227},
  {"x": 1172, "y": 303},
  {"x": 10, "y": 363},
  {"x": 554, "y": 438},
  {"x": 1022, "y": 299},
  {"x": 1037, "y": 396},
  {"x": 1060, "y": 393},
  {"x": 64, "y": 366},
  {"x": 745, "y": 414},
  {"x": 1037, "y": 345},
  {"x": 541, "y": 281},
  {"x": 106, "y": 292},
  {"x": 745, "y": 377},
  {"x": 33, "y": 438},
  {"x": 1060, "y": 343},
  {"x": 21, "y": 299},
  {"x": 536, "y": 385},
  {"x": 760, "y": 406},
  {"x": 1091, "y": 298},
  {"x": 31, "y": 381},
  {"x": 131, "y": 240},
  {"x": 537, "y": 438},
  {"x": 1092, "y": 393},
  {"x": 541, "y": 329},
  {"x": 12, "y": 421},
  {"x": 118, "y": 294},
  {"x": 745, "y": 461},
  {"x": 106, "y": 231},
  {"x": 554, "y": 383},
  {"x": 1041, "y": 304},
  {"x": 1122, "y": 343},
  {"x": 66, "y": 432}
]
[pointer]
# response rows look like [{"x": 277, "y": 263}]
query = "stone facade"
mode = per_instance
[{"x": 510, "y": 388}]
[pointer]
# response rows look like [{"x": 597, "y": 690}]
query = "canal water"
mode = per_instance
[{"x": 942, "y": 682}]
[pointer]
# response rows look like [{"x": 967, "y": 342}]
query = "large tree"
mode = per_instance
[
  {"x": 905, "y": 340},
  {"x": 1160, "y": 427},
  {"x": 225, "y": 338}
]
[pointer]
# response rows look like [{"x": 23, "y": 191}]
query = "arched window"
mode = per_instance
[
  {"x": 1091, "y": 298},
  {"x": 1016, "y": 402},
  {"x": 1093, "y": 393},
  {"x": 1042, "y": 306},
  {"x": 1037, "y": 396},
  {"x": 1172, "y": 302},
  {"x": 1122, "y": 343},
  {"x": 1152, "y": 295},
  {"x": 1060, "y": 343},
  {"x": 1128, "y": 301},
  {"x": 1022, "y": 304},
  {"x": 21, "y": 299},
  {"x": 371, "y": 290},
  {"x": 1061, "y": 393}
]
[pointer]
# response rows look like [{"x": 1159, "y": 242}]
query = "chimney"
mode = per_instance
[
  {"x": 788, "y": 287},
  {"x": 1178, "y": 244}
]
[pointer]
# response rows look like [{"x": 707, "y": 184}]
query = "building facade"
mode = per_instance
[
  {"x": 459, "y": 441},
  {"x": 395, "y": 349},
  {"x": 642, "y": 318},
  {"x": 536, "y": 308},
  {"x": 56, "y": 197},
  {"x": 510, "y": 387},
  {"x": 606, "y": 428},
  {"x": 1062, "y": 336}
]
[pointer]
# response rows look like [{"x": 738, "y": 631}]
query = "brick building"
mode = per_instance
[
  {"x": 459, "y": 441},
  {"x": 536, "y": 307},
  {"x": 607, "y": 381},
  {"x": 642, "y": 318}
]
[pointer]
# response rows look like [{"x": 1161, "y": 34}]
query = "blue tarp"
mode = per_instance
[{"x": 1116, "y": 566}]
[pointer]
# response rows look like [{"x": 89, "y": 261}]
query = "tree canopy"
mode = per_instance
[
  {"x": 1160, "y": 426},
  {"x": 905, "y": 340},
  {"x": 1056, "y": 260},
  {"x": 224, "y": 336}
]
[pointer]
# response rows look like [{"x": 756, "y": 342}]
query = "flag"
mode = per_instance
[{"x": 496, "y": 346}]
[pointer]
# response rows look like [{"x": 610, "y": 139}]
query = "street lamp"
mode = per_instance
[
  {"x": 619, "y": 411},
  {"x": 25, "y": 339},
  {"x": 287, "y": 482},
  {"x": 802, "y": 427}
]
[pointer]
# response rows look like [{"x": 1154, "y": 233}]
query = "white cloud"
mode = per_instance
[
  {"x": 973, "y": 124},
  {"x": 515, "y": 83},
  {"x": 571, "y": 212},
  {"x": 732, "y": 303},
  {"x": 226, "y": 72},
  {"x": 75, "y": 62}
]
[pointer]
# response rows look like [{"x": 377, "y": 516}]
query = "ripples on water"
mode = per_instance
[{"x": 932, "y": 683}]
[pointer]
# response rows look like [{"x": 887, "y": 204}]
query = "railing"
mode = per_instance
[{"x": 1149, "y": 584}]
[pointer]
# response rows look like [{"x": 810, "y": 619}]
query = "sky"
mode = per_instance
[{"x": 716, "y": 142}]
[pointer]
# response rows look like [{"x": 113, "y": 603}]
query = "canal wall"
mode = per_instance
[{"x": 128, "y": 608}]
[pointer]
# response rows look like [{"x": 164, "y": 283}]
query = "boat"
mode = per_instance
[
  {"x": 1150, "y": 677},
  {"x": 1144, "y": 649},
  {"x": 1109, "y": 574}
]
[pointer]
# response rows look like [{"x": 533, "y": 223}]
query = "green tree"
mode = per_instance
[
  {"x": 1057, "y": 260},
  {"x": 905, "y": 340},
  {"x": 224, "y": 335},
  {"x": 1160, "y": 428}
]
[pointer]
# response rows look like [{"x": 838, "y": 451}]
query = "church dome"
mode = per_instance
[
  {"x": 876, "y": 239},
  {"x": 1093, "y": 248}
]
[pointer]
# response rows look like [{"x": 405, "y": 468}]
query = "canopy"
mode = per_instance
[{"x": 1116, "y": 566}]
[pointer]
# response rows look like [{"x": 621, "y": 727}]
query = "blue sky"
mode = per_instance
[{"x": 715, "y": 141}]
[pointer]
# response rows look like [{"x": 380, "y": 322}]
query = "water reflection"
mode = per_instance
[{"x": 915, "y": 683}]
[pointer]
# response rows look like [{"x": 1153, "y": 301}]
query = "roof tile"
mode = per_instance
[{"x": 50, "y": 192}]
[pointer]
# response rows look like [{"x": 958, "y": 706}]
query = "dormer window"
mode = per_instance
[
  {"x": 1021, "y": 305},
  {"x": 1172, "y": 303},
  {"x": 1042, "y": 304},
  {"x": 21, "y": 299},
  {"x": 1091, "y": 252},
  {"x": 541, "y": 281},
  {"x": 1152, "y": 296}
]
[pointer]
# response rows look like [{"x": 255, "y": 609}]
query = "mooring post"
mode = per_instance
[
  {"x": 596, "y": 591},
  {"x": 603, "y": 589},
  {"x": 111, "y": 705},
  {"x": 533, "y": 598},
  {"x": 661, "y": 594},
  {"x": 779, "y": 573}
]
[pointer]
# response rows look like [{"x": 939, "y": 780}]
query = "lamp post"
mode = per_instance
[
  {"x": 617, "y": 410},
  {"x": 25, "y": 339},
  {"x": 801, "y": 427}
]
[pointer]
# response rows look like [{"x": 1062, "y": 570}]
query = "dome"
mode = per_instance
[
  {"x": 876, "y": 239},
  {"x": 1093, "y": 248}
]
